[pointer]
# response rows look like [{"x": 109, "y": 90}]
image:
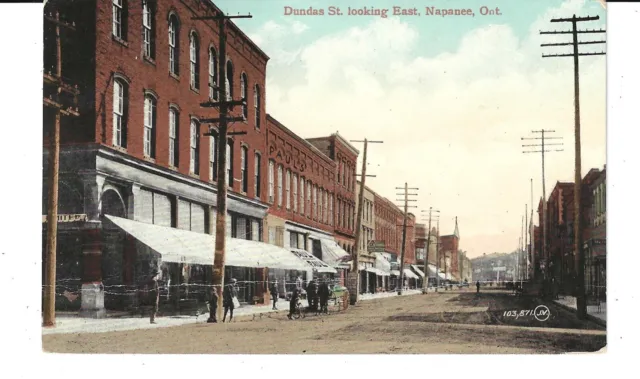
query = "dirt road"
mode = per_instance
[{"x": 445, "y": 323}]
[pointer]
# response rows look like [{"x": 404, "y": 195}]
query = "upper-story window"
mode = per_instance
[
  {"x": 174, "y": 41},
  {"x": 280, "y": 185},
  {"x": 308, "y": 198},
  {"x": 194, "y": 148},
  {"x": 173, "y": 137},
  {"x": 315, "y": 202},
  {"x": 295, "y": 192},
  {"x": 230, "y": 163},
  {"x": 331, "y": 209},
  {"x": 149, "y": 126},
  {"x": 243, "y": 95},
  {"x": 271, "y": 181},
  {"x": 258, "y": 175},
  {"x": 288, "y": 187},
  {"x": 302, "y": 195},
  {"x": 194, "y": 58},
  {"x": 228, "y": 85},
  {"x": 257, "y": 104},
  {"x": 120, "y": 13},
  {"x": 213, "y": 74},
  {"x": 148, "y": 29},
  {"x": 119, "y": 113},
  {"x": 244, "y": 161},
  {"x": 213, "y": 157}
]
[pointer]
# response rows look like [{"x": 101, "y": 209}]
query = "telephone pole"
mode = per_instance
[
  {"x": 526, "y": 243},
  {"x": 438, "y": 255},
  {"x": 55, "y": 101},
  {"x": 543, "y": 146},
  {"x": 531, "y": 237},
  {"x": 355, "y": 282},
  {"x": 426, "y": 257},
  {"x": 578, "y": 249},
  {"x": 404, "y": 230},
  {"x": 224, "y": 105}
]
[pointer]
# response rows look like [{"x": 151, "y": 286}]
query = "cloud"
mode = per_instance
[{"x": 451, "y": 123}]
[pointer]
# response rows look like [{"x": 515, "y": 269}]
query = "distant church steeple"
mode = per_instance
[{"x": 456, "y": 232}]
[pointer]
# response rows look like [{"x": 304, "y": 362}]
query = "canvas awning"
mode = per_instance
[
  {"x": 409, "y": 274},
  {"x": 313, "y": 262},
  {"x": 334, "y": 255},
  {"x": 183, "y": 246},
  {"x": 417, "y": 271},
  {"x": 395, "y": 272},
  {"x": 376, "y": 271},
  {"x": 382, "y": 264}
]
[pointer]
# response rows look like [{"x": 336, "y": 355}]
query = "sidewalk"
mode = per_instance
[
  {"x": 592, "y": 310},
  {"x": 76, "y": 324}
]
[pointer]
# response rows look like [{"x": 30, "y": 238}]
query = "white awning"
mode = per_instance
[
  {"x": 313, "y": 262},
  {"x": 418, "y": 271},
  {"x": 183, "y": 246},
  {"x": 395, "y": 272},
  {"x": 334, "y": 255},
  {"x": 376, "y": 271},
  {"x": 409, "y": 274},
  {"x": 382, "y": 264}
]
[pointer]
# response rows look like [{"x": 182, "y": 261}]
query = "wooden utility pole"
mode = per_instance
[
  {"x": 543, "y": 146},
  {"x": 526, "y": 243},
  {"x": 55, "y": 102},
  {"x": 224, "y": 105},
  {"x": 577, "y": 194},
  {"x": 426, "y": 258},
  {"x": 438, "y": 255},
  {"x": 404, "y": 232},
  {"x": 354, "y": 291}
]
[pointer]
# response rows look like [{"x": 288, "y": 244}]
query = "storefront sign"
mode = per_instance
[
  {"x": 310, "y": 259},
  {"x": 375, "y": 246},
  {"x": 69, "y": 218}
]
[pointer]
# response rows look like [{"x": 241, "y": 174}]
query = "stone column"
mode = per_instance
[
  {"x": 132, "y": 193},
  {"x": 93, "y": 185},
  {"x": 92, "y": 296}
]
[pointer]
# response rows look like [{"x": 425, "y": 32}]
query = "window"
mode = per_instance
[
  {"x": 194, "y": 156},
  {"x": 280, "y": 185},
  {"x": 301, "y": 195},
  {"x": 174, "y": 38},
  {"x": 331, "y": 209},
  {"x": 213, "y": 77},
  {"x": 256, "y": 170},
  {"x": 339, "y": 171},
  {"x": 230, "y": 163},
  {"x": 213, "y": 156},
  {"x": 257, "y": 99},
  {"x": 245, "y": 168},
  {"x": 148, "y": 29},
  {"x": 325, "y": 207},
  {"x": 271, "y": 181},
  {"x": 309, "y": 198},
  {"x": 243, "y": 95},
  {"x": 315, "y": 202},
  {"x": 119, "y": 119},
  {"x": 228, "y": 85},
  {"x": 173, "y": 137},
  {"x": 149, "y": 126},
  {"x": 288, "y": 186},
  {"x": 342, "y": 168},
  {"x": 295, "y": 192},
  {"x": 119, "y": 27},
  {"x": 338, "y": 211},
  {"x": 194, "y": 53}
]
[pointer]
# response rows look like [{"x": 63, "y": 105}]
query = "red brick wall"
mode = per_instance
[
  {"x": 386, "y": 221},
  {"x": 126, "y": 59}
]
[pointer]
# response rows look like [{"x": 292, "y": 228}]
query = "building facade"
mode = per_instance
[
  {"x": 595, "y": 242},
  {"x": 449, "y": 246},
  {"x": 367, "y": 233}
]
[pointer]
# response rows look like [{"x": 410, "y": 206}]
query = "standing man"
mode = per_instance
[
  {"x": 478, "y": 286},
  {"x": 312, "y": 295},
  {"x": 323, "y": 293},
  {"x": 213, "y": 306},
  {"x": 228, "y": 294},
  {"x": 293, "y": 302},
  {"x": 154, "y": 296},
  {"x": 274, "y": 294}
]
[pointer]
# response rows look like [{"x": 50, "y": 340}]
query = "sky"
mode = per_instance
[{"x": 450, "y": 97}]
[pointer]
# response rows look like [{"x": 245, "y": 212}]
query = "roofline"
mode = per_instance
[
  {"x": 237, "y": 29},
  {"x": 300, "y": 139},
  {"x": 342, "y": 140}
]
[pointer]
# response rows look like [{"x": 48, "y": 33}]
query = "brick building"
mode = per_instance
[
  {"x": 386, "y": 230},
  {"x": 449, "y": 245},
  {"x": 137, "y": 157},
  {"x": 595, "y": 242},
  {"x": 560, "y": 219}
]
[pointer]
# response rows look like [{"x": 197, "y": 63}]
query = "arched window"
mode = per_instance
[
  {"x": 228, "y": 86},
  {"x": 213, "y": 74},
  {"x": 148, "y": 29},
  {"x": 174, "y": 119},
  {"x": 257, "y": 99},
  {"x": 244, "y": 167},
  {"x": 174, "y": 41},
  {"x": 271, "y": 181},
  {"x": 302, "y": 195},
  {"x": 119, "y": 24},
  {"x": 194, "y": 58},
  {"x": 243, "y": 94},
  {"x": 288, "y": 189},
  {"x": 258, "y": 175},
  {"x": 213, "y": 156},
  {"x": 230, "y": 163},
  {"x": 120, "y": 99},
  {"x": 280, "y": 179},
  {"x": 194, "y": 148},
  {"x": 149, "y": 126}
]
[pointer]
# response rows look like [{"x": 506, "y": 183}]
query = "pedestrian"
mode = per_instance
[
  {"x": 312, "y": 295},
  {"x": 299, "y": 284},
  {"x": 154, "y": 296},
  {"x": 213, "y": 306},
  {"x": 274, "y": 294},
  {"x": 478, "y": 286},
  {"x": 230, "y": 292},
  {"x": 323, "y": 294},
  {"x": 293, "y": 302}
]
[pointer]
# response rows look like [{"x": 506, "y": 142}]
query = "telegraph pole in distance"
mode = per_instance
[
  {"x": 224, "y": 106},
  {"x": 404, "y": 230},
  {"x": 353, "y": 297},
  {"x": 579, "y": 252},
  {"x": 426, "y": 258},
  {"x": 55, "y": 102},
  {"x": 543, "y": 146},
  {"x": 438, "y": 255}
]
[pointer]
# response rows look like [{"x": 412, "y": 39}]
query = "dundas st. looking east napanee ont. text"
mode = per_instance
[{"x": 392, "y": 11}]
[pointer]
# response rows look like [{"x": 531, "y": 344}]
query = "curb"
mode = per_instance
[{"x": 589, "y": 317}]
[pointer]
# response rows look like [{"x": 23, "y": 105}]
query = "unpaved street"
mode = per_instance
[{"x": 448, "y": 322}]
